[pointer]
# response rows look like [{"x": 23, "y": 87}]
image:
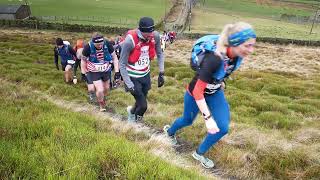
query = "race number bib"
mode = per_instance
[
  {"x": 71, "y": 61},
  {"x": 102, "y": 67},
  {"x": 144, "y": 59},
  {"x": 143, "y": 62}
]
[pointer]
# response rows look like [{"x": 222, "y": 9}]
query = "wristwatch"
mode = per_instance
[{"x": 206, "y": 117}]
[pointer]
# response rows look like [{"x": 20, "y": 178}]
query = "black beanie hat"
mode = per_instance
[
  {"x": 59, "y": 42},
  {"x": 146, "y": 25}
]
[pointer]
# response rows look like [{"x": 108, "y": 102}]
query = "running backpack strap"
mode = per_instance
[
  {"x": 66, "y": 48},
  {"x": 202, "y": 45}
]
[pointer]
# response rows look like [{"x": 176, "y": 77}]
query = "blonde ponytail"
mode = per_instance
[{"x": 222, "y": 42}]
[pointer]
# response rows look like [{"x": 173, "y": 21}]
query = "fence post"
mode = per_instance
[{"x": 314, "y": 19}]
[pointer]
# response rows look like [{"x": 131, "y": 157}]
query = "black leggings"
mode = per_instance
[{"x": 141, "y": 87}]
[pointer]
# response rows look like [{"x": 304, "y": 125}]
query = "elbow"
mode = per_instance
[
  {"x": 198, "y": 90},
  {"x": 197, "y": 94},
  {"x": 198, "y": 97}
]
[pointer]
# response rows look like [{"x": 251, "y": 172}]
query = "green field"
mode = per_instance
[
  {"x": 309, "y": 2},
  {"x": 125, "y": 12},
  {"x": 266, "y": 19},
  {"x": 251, "y": 8},
  {"x": 274, "y": 131},
  {"x": 211, "y": 22}
]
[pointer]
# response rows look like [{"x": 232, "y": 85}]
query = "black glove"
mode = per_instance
[
  {"x": 161, "y": 79},
  {"x": 112, "y": 66},
  {"x": 117, "y": 76},
  {"x": 116, "y": 80},
  {"x": 131, "y": 90},
  {"x": 84, "y": 78}
]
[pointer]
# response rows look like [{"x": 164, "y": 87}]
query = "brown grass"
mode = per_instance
[{"x": 300, "y": 60}]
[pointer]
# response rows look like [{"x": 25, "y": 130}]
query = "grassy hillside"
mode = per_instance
[
  {"x": 275, "y": 116},
  {"x": 39, "y": 140},
  {"x": 122, "y": 11},
  {"x": 211, "y": 17}
]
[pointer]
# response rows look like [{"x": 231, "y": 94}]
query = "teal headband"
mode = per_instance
[{"x": 238, "y": 38}]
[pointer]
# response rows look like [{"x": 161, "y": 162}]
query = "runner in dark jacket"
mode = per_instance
[{"x": 68, "y": 58}]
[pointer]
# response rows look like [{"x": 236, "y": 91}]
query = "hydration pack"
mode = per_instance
[{"x": 200, "y": 47}]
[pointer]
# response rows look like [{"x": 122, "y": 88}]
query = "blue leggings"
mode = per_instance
[{"x": 219, "y": 109}]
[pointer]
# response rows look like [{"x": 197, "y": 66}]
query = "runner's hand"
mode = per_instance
[
  {"x": 212, "y": 126},
  {"x": 223, "y": 85},
  {"x": 117, "y": 76},
  {"x": 83, "y": 77},
  {"x": 117, "y": 79},
  {"x": 131, "y": 90}
]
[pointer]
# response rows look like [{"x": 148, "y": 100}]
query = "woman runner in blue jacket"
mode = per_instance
[{"x": 206, "y": 90}]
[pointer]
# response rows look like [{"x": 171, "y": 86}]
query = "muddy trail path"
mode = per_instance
[{"x": 150, "y": 138}]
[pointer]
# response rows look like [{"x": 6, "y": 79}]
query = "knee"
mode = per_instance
[
  {"x": 189, "y": 117},
  {"x": 224, "y": 130},
  {"x": 100, "y": 91},
  {"x": 189, "y": 123},
  {"x": 187, "y": 120},
  {"x": 107, "y": 86},
  {"x": 144, "y": 106},
  {"x": 91, "y": 88}
]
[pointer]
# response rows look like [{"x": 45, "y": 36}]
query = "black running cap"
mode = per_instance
[
  {"x": 59, "y": 42},
  {"x": 146, "y": 25}
]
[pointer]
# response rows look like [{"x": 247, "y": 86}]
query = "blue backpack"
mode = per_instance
[{"x": 202, "y": 45}]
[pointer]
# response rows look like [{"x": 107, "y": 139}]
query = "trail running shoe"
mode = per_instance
[
  {"x": 205, "y": 162},
  {"x": 102, "y": 106},
  {"x": 92, "y": 98},
  {"x": 139, "y": 118},
  {"x": 172, "y": 138},
  {"x": 131, "y": 117},
  {"x": 103, "y": 109}
]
